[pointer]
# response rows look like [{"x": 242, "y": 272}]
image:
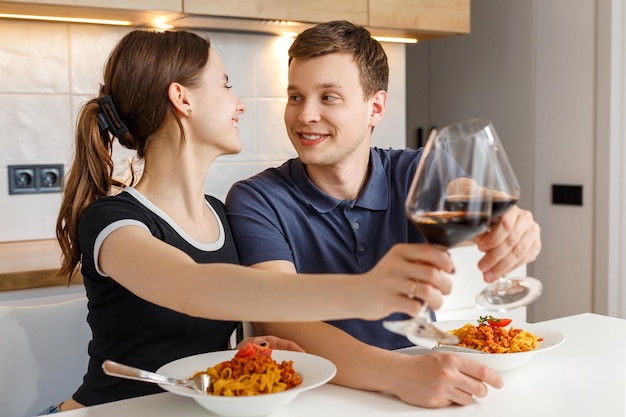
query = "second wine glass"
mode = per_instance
[
  {"x": 449, "y": 202},
  {"x": 505, "y": 293}
]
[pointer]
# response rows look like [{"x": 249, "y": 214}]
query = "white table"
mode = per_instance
[{"x": 585, "y": 376}]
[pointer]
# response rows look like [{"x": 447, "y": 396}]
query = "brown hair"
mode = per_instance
[
  {"x": 137, "y": 76},
  {"x": 343, "y": 36}
]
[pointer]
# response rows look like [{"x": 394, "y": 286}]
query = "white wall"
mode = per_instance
[
  {"x": 549, "y": 74},
  {"x": 48, "y": 69},
  {"x": 564, "y": 153},
  {"x": 610, "y": 152}
]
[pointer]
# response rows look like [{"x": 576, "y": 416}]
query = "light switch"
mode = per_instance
[{"x": 570, "y": 195}]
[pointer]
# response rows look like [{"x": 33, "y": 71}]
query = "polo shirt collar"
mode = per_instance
[{"x": 375, "y": 195}]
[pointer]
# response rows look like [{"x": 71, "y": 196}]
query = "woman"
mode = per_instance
[{"x": 157, "y": 259}]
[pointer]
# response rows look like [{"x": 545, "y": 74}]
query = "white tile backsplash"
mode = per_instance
[
  {"x": 389, "y": 132},
  {"x": 36, "y": 58},
  {"x": 49, "y": 70},
  {"x": 36, "y": 128},
  {"x": 272, "y": 66},
  {"x": 89, "y": 48},
  {"x": 272, "y": 139},
  {"x": 238, "y": 52}
]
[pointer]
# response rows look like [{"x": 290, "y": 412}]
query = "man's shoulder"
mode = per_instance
[
  {"x": 267, "y": 176},
  {"x": 397, "y": 158},
  {"x": 267, "y": 182},
  {"x": 394, "y": 153}
]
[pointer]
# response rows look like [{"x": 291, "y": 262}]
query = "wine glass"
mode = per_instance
[
  {"x": 505, "y": 293},
  {"x": 449, "y": 202}
]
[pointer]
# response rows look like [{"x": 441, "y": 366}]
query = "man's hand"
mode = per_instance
[
  {"x": 514, "y": 241},
  {"x": 442, "y": 379}
]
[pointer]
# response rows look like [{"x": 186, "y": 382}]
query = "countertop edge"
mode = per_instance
[
  {"x": 31, "y": 264},
  {"x": 22, "y": 280}
]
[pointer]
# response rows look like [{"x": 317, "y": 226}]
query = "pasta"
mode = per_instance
[
  {"x": 493, "y": 338},
  {"x": 251, "y": 372}
]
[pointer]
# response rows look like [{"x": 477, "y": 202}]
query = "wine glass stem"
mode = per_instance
[
  {"x": 424, "y": 312},
  {"x": 504, "y": 283}
]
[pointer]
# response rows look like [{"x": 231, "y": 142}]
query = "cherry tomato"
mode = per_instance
[
  {"x": 494, "y": 322},
  {"x": 251, "y": 349}
]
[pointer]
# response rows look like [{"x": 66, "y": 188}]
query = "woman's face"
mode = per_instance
[{"x": 216, "y": 109}]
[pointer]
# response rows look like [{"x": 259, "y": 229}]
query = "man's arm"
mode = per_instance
[{"x": 434, "y": 380}]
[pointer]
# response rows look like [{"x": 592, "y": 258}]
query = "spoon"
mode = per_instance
[{"x": 200, "y": 382}]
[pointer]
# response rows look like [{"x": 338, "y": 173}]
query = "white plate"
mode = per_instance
[
  {"x": 500, "y": 362},
  {"x": 314, "y": 371}
]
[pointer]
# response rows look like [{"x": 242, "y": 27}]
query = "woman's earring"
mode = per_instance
[{"x": 189, "y": 112}]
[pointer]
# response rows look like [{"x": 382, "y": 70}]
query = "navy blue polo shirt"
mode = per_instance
[{"x": 279, "y": 214}]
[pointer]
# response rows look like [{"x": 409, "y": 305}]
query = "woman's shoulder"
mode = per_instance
[
  {"x": 110, "y": 209},
  {"x": 121, "y": 201},
  {"x": 217, "y": 204}
]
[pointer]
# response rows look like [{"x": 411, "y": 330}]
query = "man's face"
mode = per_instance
[{"x": 327, "y": 118}]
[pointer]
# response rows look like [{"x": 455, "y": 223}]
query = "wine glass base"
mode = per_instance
[
  {"x": 421, "y": 332},
  {"x": 524, "y": 291}
]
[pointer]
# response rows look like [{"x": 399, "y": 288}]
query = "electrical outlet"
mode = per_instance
[
  {"x": 33, "y": 179},
  {"x": 50, "y": 177},
  {"x": 22, "y": 179}
]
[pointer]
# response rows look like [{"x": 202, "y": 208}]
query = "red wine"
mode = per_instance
[
  {"x": 466, "y": 203},
  {"x": 500, "y": 205},
  {"x": 449, "y": 228}
]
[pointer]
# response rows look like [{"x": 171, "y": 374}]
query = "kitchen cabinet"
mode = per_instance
[
  {"x": 423, "y": 19},
  {"x": 355, "y": 11},
  {"x": 163, "y": 5},
  {"x": 426, "y": 18},
  {"x": 136, "y": 13}
]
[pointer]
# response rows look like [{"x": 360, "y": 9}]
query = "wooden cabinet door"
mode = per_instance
[
  {"x": 162, "y": 5},
  {"x": 302, "y": 11},
  {"x": 430, "y": 17}
]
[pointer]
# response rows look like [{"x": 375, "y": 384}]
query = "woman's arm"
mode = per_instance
[{"x": 164, "y": 275}]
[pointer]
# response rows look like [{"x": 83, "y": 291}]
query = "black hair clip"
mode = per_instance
[{"x": 108, "y": 119}]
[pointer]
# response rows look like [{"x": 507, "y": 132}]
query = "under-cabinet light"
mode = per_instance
[
  {"x": 394, "y": 40},
  {"x": 66, "y": 19},
  {"x": 161, "y": 23},
  {"x": 378, "y": 38}
]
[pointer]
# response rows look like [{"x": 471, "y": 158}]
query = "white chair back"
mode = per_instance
[{"x": 43, "y": 351}]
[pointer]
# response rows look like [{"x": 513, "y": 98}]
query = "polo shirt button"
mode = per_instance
[
  {"x": 356, "y": 225},
  {"x": 361, "y": 248}
]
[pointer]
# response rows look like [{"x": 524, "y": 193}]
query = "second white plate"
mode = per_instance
[{"x": 500, "y": 362}]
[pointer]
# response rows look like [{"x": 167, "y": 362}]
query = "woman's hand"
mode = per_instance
[{"x": 408, "y": 273}]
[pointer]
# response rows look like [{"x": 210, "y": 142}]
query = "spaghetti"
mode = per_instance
[
  {"x": 490, "y": 337},
  {"x": 252, "y": 371}
]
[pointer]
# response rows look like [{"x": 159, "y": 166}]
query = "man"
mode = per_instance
[{"x": 339, "y": 207}]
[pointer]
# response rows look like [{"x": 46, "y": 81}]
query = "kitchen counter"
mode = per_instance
[{"x": 30, "y": 264}]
